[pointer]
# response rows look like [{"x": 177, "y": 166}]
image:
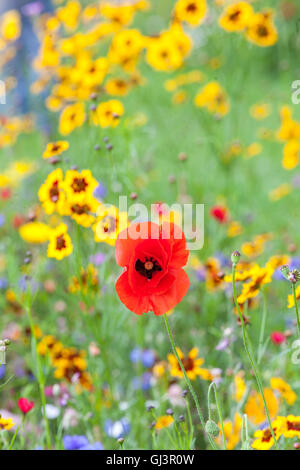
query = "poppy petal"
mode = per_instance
[
  {"x": 136, "y": 303},
  {"x": 163, "y": 303}
]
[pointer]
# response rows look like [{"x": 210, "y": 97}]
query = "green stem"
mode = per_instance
[
  {"x": 251, "y": 358},
  {"x": 213, "y": 385},
  {"x": 188, "y": 382},
  {"x": 13, "y": 438},
  {"x": 40, "y": 375},
  {"x": 296, "y": 307},
  {"x": 262, "y": 330}
]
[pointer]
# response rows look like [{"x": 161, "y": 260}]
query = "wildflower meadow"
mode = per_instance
[{"x": 149, "y": 237}]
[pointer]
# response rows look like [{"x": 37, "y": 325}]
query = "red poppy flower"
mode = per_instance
[
  {"x": 25, "y": 405},
  {"x": 153, "y": 257},
  {"x": 219, "y": 213},
  {"x": 277, "y": 337}
]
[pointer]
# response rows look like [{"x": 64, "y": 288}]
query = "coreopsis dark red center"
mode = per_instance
[{"x": 153, "y": 257}]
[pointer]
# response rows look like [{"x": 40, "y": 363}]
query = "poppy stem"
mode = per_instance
[
  {"x": 251, "y": 358},
  {"x": 188, "y": 382},
  {"x": 296, "y": 307}
]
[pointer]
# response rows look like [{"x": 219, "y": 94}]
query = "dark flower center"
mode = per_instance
[
  {"x": 147, "y": 267},
  {"x": 262, "y": 31},
  {"x": 109, "y": 224},
  {"x": 235, "y": 16},
  {"x": 79, "y": 185},
  {"x": 78, "y": 209},
  {"x": 267, "y": 435},
  {"x": 188, "y": 363},
  {"x": 293, "y": 426},
  {"x": 55, "y": 147},
  {"x": 54, "y": 192},
  {"x": 60, "y": 243},
  {"x": 192, "y": 7}
]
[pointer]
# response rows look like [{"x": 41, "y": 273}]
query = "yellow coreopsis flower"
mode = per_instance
[
  {"x": 51, "y": 194},
  {"x": 109, "y": 223},
  {"x": 191, "y": 11},
  {"x": 264, "y": 439},
  {"x": 255, "y": 407},
  {"x": 236, "y": 17},
  {"x": 35, "y": 232},
  {"x": 83, "y": 211},
  {"x": 60, "y": 244},
  {"x": 261, "y": 29},
  {"x": 291, "y": 154},
  {"x": 291, "y": 426},
  {"x": 191, "y": 363},
  {"x": 214, "y": 98},
  {"x": 290, "y": 129},
  {"x": 232, "y": 431},
  {"x": 108, "y": 113},
  {"x": 163, "y": 54},
  {"x": 260, "y": 111},
  {"x": 259, "y": 277},
  {"x": 240, "y": 387},
  {"x": 10, "y": 25},
  {"x": 71, "y": 117},
  {"x": 284, "y": 389},
  {"x": 55, "y": 148},
  {"x": 163, "y": 422},
  {"x": 79, "y": 185},
  {"x": 291, "y": 302},
  {"x": 117, "y": 87},
  {"x": 6, "y": 424}
]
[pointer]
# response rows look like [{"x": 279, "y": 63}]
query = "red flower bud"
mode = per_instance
[{"x": 25, "y": 405}]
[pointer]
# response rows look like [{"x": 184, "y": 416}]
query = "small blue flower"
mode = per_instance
[
  {"x": 135, "y": 355},
  {"x": 3, "y": 283},
  {"x": 148, "y": 358},
  {"x": 2, "y": 371},
  {"x": 75, "y": 442},
  {"x": 2, "y": 220},
  {"x": 101, "y": 191},
  {"x": 117, "y": 429},
  {"x": 95, "y": 446}
]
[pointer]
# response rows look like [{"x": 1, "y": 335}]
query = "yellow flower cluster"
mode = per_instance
[
  {"x": 258, "y": 27},
  {"x": 72, "y": 195},
  {"x": 289, "y": 133},
  {"x": 69, "y": 363}
]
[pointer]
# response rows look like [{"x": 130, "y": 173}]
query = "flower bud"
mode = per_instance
[
  {"x": 235, "y": 256},
  {"x": 212, "y": 428},
  {"x": 285, "y": 270}
]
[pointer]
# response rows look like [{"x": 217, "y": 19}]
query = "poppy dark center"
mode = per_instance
[{"x": 147, "y": 267}]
